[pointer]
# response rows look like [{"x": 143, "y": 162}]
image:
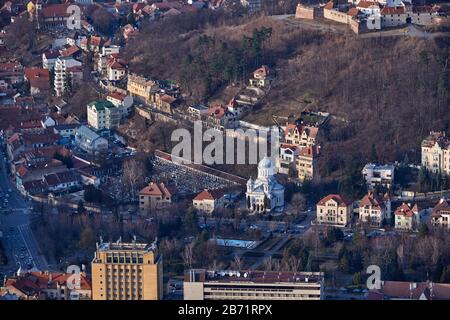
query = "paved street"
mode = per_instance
[{"x": 15, "y": 216}]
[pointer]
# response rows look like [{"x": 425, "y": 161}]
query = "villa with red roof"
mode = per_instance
[
  {"x": 209, "y": 200},
  {"x": 407, "y": 217},
  {"x": 440, "y": 215},
  {"x": 262, "y": 77},
  {"x": 155, "y": 196},
  {"x": 334, "y": 210},
  {"x": 374, "y": 209}
]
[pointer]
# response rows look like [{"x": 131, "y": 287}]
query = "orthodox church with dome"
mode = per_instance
[{"x": 265, "y": 194}]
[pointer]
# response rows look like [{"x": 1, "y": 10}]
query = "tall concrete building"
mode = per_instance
[
  {"x": 127, "y": 271},
  {"x": 200, "y": 284}
]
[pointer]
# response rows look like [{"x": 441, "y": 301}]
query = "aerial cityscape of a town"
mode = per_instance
[{"x": 224, "y": 150}]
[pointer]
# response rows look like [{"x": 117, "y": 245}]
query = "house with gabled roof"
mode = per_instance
[
  {"x": 209, "y": 200},
  {"x": 440, "y": 215},
  {"x": 156, "y": 196},
  {"x": 374, "y": 209},
  {"x": 262, "y": 77},
  {"x": 334, "y": 210},
  {"x": 407, "y": 217}
]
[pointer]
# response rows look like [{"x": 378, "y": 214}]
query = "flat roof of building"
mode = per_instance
[
  {"x": 123, "y": 246},
  {"x": 202, "y": 275}
]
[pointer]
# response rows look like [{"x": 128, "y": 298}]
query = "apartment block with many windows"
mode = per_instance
[
  {"x": 127, "y": 271},
  {"x": 201, "y": 284}
]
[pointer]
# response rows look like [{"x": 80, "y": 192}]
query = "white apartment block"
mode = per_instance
[
  {"x": 103, "y": 115},
  {"x": 62, "y": 65},
  {"x": 376, "y": 174}
]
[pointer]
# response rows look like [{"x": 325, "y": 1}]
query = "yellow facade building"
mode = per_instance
[
  {"x": 141, "y": 88},
  {"x": 127, "y": 271}
]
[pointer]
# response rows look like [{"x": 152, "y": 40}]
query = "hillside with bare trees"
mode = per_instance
[{"x": 385, "y": 93}]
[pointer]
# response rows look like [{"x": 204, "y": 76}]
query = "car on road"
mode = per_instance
[{"x": 9, "y": 190}]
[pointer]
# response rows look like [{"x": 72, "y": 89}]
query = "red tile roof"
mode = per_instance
[
  {"x": 116, "y": 95},
  {"x": 70, "y": 51},
  {"x": 393, "y": 10},
  {"x": 443, "y": 206},
  {"x": 264, "y": 71},
  {"x": 340, "y": 200},
  {"x": 367, "y": 4},
  {"x": 38, "y": 77},
  {"x": 157, "y": 189},
  {"x": 405, "y": 210},
  {"x": 372, "y": 200},
  {"x": 209, "y": 195},
  {"x": 310, "y": 152},
  {"x": 55, "y": 10}
]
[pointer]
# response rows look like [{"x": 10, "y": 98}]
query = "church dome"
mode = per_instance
[{"x": 265, "y": 163}]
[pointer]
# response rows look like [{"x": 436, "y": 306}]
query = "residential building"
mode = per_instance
[
  {"x": 66, "y": 130},
  {"x": 218, "y": 117},
  {"x": 103, "y": 115},
  {"x": 154, "y": 197},
  {"x": 334, "y": 210},
  {"x": 301, "y": 135},
  {"x": 287, "y": 157},
  {"x": 306, "y": 163},
  {"x": 55, "y": 15},
  {"x": 197, "y": 111},
  {"x": 116, "y": 69},
  {"x": 201, "y": 284},
  {"x": 440, "y": 215},
  {"x": 122, "y": 101},
  {"x": 63, "y": 181},
  {"x": 48, "y": 285},
  {"x": 378, "y": 175},
  {"x": 265, "y": 193},
  {"x": 108, "y": 50},
  {"x": 39, "y": 80},
  {"x": 252, "y": 5},
  {"x": 262, "y": 77},
  {"x": 436, "y": 153},
  {"x": 49, "y": 59},
  {"x": 89, "y": 141},
  {"x": 68, "y": 72},
  {"x": 127, "y": 271},
  {"x": 403, "y": 290},
  {"x": 208, "y": 201},
  {"x": 164, "y": 102},
  {"x": 141, "y": 88},
  {"x": 407, "y": 217},
  {"x": 374, "y": 210}
]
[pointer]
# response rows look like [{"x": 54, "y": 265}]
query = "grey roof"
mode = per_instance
[{"x": 87, "y": 133}]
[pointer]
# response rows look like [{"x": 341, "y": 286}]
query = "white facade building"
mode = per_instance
[
  {"x": 61, "y": 66},
  {"x": 375, "y": 174},
  {"x": 265, "y": 193},
  {"x": 103, "y": 115}
]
